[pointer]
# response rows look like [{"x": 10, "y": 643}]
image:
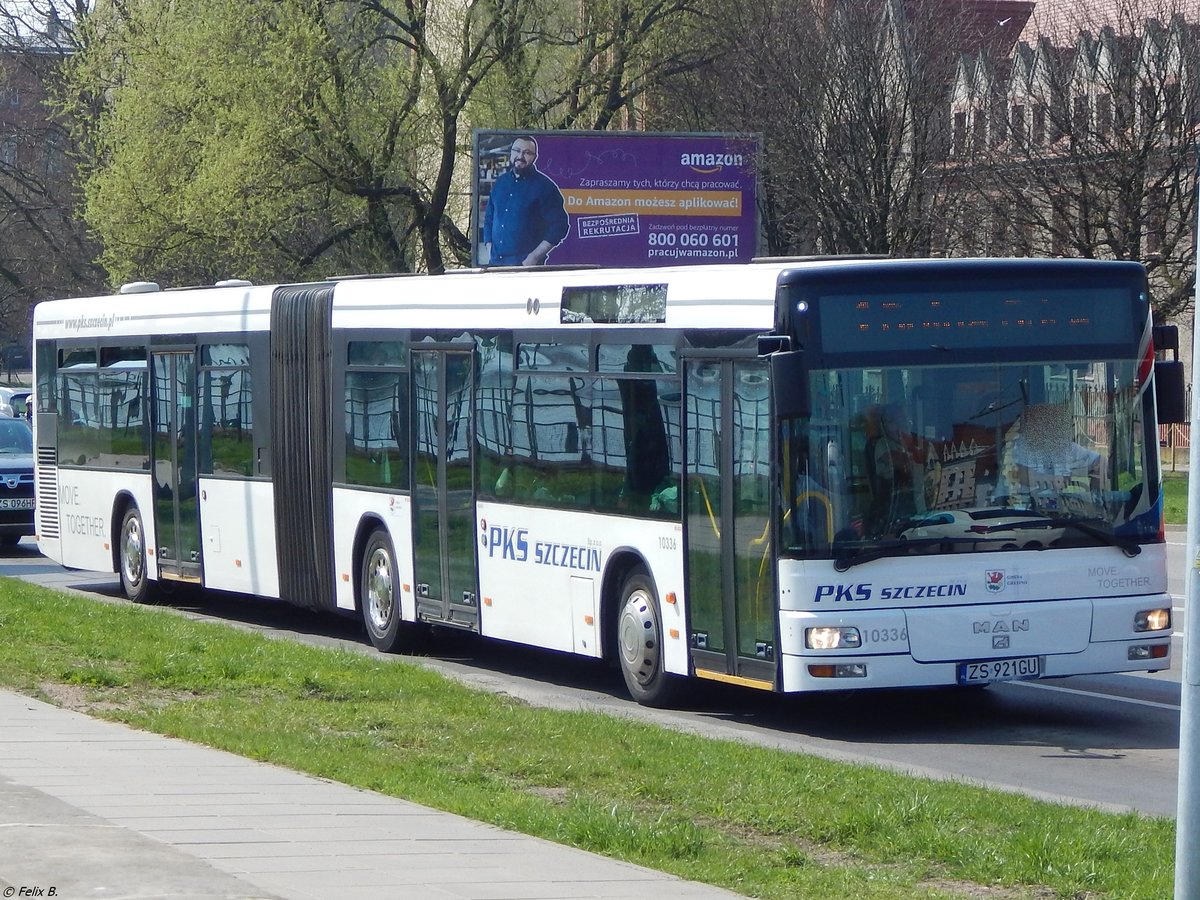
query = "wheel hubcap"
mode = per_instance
[
  {"x": 638, "y": 637},
  {"x": 381, "y": 602},
  {"x": 132, "y": 552}
]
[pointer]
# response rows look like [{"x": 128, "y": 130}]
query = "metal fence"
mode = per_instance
[
  {"x": 1175, "y": 443},
  {"x": 1176, "y": 436}
]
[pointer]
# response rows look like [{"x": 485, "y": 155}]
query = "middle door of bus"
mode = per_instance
[
  {"x": 173, "y": 447},
  {"x": 727, "y": 511},
  {"x": 443, "y": 490}
]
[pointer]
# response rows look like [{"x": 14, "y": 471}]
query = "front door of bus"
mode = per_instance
[
  {"x": 443, "y": 506},
  {"x": 173, "y": 457},
  {"x": 731, "y": 588}
]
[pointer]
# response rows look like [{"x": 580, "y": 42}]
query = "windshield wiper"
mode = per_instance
[{"x": 1127, "y": 546}]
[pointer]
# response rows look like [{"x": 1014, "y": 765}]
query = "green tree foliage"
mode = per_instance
[
  {"x": 251, "y": 139},
  {"x": 303, "y": 138}
]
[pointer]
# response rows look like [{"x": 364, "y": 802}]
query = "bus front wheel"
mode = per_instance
[
  {"x": 379, "y": 595},
  {"x": 639, "y": 642},
  {"x": 133, "y": 557}
]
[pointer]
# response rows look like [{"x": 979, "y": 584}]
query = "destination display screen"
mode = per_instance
[{"x": 958, "y": 320}]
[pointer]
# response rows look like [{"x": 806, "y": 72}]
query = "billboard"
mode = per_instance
[{"x": 613, "y": 198}]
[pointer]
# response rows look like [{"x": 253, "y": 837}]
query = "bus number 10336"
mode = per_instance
[{"x": 886, "y": 635}]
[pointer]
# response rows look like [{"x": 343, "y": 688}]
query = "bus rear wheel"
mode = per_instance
[
  {"x": 379, "y": 595},
  {"x": 639, "y": 642},
  {"x": 132, "y": 547}
]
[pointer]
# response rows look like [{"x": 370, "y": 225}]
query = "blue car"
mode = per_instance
[{"x": 16, "y": 481}]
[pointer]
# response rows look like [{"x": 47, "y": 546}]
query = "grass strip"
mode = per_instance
[
  {"x": 761, "y": 822},
  {"x": 1175, "y": 498}
]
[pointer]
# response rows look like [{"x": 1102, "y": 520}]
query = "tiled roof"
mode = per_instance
[
  {"x": 1061, "y": 20},
  {"x": 979, "y": 25}
]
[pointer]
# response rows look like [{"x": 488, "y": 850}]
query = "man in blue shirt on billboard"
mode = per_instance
[{"x": 525, "y": 217}]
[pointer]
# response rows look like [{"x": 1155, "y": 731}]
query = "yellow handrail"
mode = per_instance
[
  {"x": 823, "y": 498},
  {"x": 712, "y": 518},
  {"x": 819, "y": 496}
]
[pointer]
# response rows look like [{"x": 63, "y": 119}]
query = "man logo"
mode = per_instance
[
  {"x": 995, "y": 580},
  {"x": 1000, "y": 642}
]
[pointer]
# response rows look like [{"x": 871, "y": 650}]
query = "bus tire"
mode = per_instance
[
  {"x": 639, "y": 642},
  {"x": 379, "y": 595},
  {"x": 132, "y": 548}
]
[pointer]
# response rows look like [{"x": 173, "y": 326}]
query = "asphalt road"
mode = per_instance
[{"x": 1108, "y": 741}]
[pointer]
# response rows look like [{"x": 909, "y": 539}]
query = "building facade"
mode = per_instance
[{"x": 1080, "y": 141}]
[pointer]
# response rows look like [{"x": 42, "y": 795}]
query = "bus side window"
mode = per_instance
[
  {"x": 226, "y": 444},
  {"x": 377, "y": 428},
  {"x": 647, "y": 456},
  {"x": 636, "y": 446},
  {"x": 78, "y": 421},
  {"x": 551, "y": 441},
  {"x": 493, "y": 417}
]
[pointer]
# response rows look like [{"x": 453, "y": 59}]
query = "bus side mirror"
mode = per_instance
[
  {"x": 1166, "y": 337},
  {"x": 789, "y": 385},
  {"x": 1169, "y": 392}
]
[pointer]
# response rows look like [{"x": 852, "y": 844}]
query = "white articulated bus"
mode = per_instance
[{"x": 793, "y": 475}]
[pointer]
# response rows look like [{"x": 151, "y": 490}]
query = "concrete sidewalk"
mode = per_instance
[{"x": 95, "y": 809}]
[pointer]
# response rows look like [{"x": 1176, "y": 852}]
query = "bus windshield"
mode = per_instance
[{"x": 961, "y": 458}]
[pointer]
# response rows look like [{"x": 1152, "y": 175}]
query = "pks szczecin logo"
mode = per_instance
[{"x": 995, "y": 580}]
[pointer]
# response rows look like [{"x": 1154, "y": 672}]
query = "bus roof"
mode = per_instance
[{"x": 706, "y": 296}]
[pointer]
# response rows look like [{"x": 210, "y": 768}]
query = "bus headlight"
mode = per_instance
[
  {"x": 1152, "y": 620},
  {"x": 831, "y": 638}
]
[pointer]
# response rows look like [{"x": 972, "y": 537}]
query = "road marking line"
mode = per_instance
[{"x": 1094, "y": 695}]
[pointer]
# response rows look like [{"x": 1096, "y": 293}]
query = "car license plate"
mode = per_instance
[
  {"x": 999, "y": 670},
  {"x": 16, "y": 503}
]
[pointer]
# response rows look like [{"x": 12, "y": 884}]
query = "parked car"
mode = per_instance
[
  {"x": 14, "y": 402},
  {"x": 1005, "y": 529},
  {"x": 16, "y": 481}
]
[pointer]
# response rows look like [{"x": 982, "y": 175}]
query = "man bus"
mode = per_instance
[{"x": 791, "y": 475}]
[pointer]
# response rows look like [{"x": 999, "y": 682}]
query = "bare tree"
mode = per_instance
[
  {"x": 593, "y": 64},
  {"x": 849, "y": 98},
  {"x": 44, "y": 248}
]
